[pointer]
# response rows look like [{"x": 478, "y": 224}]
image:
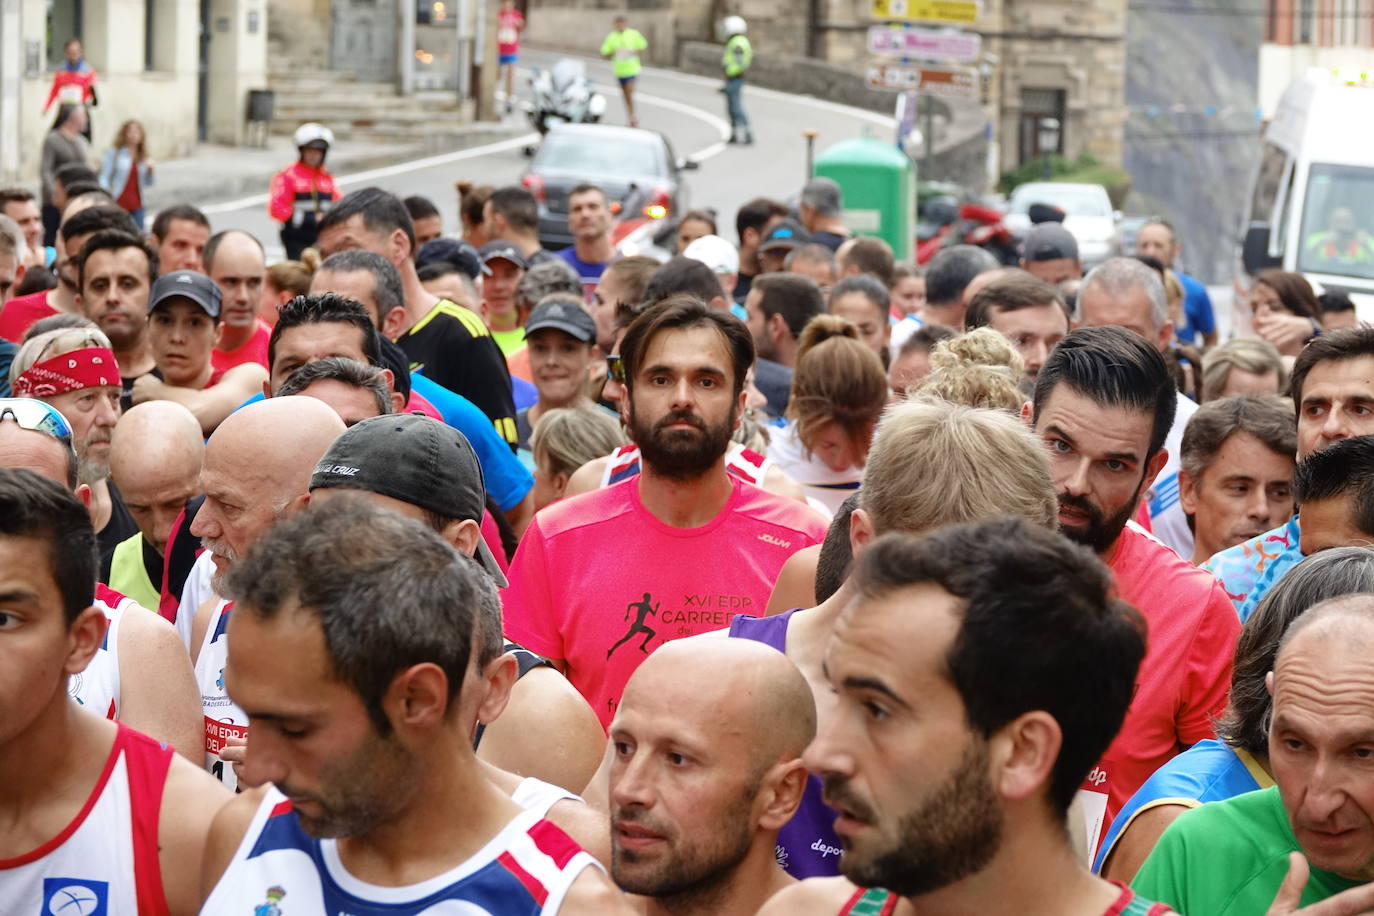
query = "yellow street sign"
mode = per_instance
[{"x": 960, "y": 11}]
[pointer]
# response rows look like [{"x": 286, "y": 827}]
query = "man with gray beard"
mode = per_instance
[
  {"x": 256, "y": 473},
  {"x": 73, "y": 369}
]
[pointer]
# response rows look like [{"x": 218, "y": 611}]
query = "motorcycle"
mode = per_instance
[
  {"x": 944, "y": 222},
  {"x": 563, "y": 95}
]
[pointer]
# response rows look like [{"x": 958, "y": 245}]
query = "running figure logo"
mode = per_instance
[{"x": 642, "y": 610}]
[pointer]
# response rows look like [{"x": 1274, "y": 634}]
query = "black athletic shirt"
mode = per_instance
[{"x": 452, "y": 346}]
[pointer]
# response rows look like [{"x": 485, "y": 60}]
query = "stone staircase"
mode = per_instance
[{"x": 356, "y": 110}]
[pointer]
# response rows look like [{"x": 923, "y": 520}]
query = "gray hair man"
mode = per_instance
[
  {"x": 820, "y": 209},
  {"x": 1126, "y": 293}
]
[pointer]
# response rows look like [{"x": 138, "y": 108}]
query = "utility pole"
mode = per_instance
[
  {"x": 928, "y": 160},
  {"x": 11, "y": 75}
]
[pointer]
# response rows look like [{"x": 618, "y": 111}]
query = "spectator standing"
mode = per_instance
[
  {"x": 510, "y": 22},
  {"x": 1156, "y": 239},
  {"x": 303, "y": 191},
  {"x": 739, "y": 54},
  {"x": 822, "y": 203},
  {"x": 65, "y": 143},
  {"x": 126, "y": 169},
  {"x": 622, "y": 46}
]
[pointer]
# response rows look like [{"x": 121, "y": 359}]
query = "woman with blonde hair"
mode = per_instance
[
  {"x": 126, "y": 169},
  {"x": 285, "y": 280},
  {"x": 565, "y": 439},
  {"x": 838, "y": 392},
  {"x": 977, "y": 369}
]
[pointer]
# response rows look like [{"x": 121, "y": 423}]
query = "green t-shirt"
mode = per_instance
[
  {"x": 623, "y": 48},
  {"x": 509, "y": 341},
  {"x": 1228, "y": 858}
]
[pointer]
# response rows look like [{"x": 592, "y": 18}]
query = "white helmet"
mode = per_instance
[
  {"x": 312, "y": 133},
  {"x": 735, "y": 25}
]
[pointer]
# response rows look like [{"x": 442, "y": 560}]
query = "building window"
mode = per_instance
[
  {"x": 64, "y": 23},
  {"x": 1042, "y": 123},
  {"x": 1307, "y": 13},
  {"x": 149, "y": 35},
  {"x": 1271, "y": 20}
]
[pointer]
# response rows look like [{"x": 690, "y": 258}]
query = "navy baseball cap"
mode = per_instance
[
  {"x": 187, "y": 284},
  {"x": 460, "y": 254},
  {"x": 493, "y": 250},
  {"x": 786, "y": 234}
]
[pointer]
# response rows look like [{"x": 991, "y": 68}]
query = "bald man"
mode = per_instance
[
  {"x": 140, "y": 674},
  {"x": 234, "y": 260},
  {"x": 705, "y": 769},
  {"x": 1309, "y": 838},
  {"x": 155, "y": 457},
  {"x": 256, "y": 472}
]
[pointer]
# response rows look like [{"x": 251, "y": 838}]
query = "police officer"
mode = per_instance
[
  {"x": 303, "y": 191},
  {"x": 736, "y": 60}
]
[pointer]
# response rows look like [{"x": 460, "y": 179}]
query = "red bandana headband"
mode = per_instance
[{"x": 90, "y": 367}]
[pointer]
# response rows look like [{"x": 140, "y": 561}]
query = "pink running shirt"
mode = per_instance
[
  {"x": 508, "y": 26},
  {"x": 1184, "y": 678},
  {"x": 600, "y": 582}
]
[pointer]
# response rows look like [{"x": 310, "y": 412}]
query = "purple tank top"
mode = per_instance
[{"x": 808, "y": 846}]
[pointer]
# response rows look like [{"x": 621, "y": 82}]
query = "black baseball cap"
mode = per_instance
[
  {"x": 493, "y": 250},
  {"x": 564, "y": 316},
  {"x": 1049, "y": 242},
  {"x": 460, "y": 254},
  {"x": 187, "y": 284},
  {"x": 417, "y": 460},
  {"x": 787, "y": 233}
]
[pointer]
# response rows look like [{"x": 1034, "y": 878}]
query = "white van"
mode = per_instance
[{"x": 1311, "y": 206}]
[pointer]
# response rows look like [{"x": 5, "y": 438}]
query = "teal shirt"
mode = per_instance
[{"x": 1228, "y": 858}]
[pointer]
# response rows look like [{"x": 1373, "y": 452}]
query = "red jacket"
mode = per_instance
[
  {"x": 79, "y": 81},
  {"x": 300, "y": 188}
]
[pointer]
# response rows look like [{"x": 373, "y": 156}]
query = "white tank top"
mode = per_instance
[
  {"x": 539, "y": 796},
  {"x": 193, "y": 594},
  {"x": 222, "y": 718},
  {"x": 104, "y": 863},
  {"x": 97, "y": 687},
  {"x": 281, "y": 870}
]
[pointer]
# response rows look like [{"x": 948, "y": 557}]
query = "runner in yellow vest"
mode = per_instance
[
  {"x": 739, "y": 54},
  {"x": 622, "y": 46}
]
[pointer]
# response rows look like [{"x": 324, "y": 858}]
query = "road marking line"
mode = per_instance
[
  {"x": 412, "y": 165},
  {"x": 721, "y": 126}
]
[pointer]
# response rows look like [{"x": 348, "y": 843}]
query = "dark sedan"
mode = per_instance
[{"x": 636, "y": 168}]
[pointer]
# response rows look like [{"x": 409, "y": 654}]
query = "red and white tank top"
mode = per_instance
[
  {"x": 223, "y": 719},
  {"x": 746, "y": 464},
  {"x": 105, "y": 861},
  {"x": 525, "y": 869},
  {"x": 97, "y": 687}
]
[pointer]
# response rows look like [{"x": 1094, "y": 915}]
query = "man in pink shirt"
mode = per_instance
[
  {"x": 235, "y": 261},
  {"x": 603, "y": 579},
  {"x": 1103, "y": 405}
]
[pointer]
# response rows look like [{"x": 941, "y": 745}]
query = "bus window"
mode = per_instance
[{"x": 1336, "y": 226}]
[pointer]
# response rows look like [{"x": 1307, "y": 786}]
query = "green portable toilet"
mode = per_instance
[{"x": 879, "y": 185}]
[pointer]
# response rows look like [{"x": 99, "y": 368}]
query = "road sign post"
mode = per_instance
[
  {"x": 925, "y": 44},
  {"x": 955, "y": 11},
  {"x": 951, "y": 82}
]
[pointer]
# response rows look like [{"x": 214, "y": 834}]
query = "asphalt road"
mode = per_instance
[{"x": 688, "y": 110}]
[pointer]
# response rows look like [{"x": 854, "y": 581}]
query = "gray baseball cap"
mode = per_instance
[
  {"x": 187, "y": 284},
  {"x": 417, "y": 460},
  {"x": 1049, "y": 242},
  {"x": 565, "y": 316}
]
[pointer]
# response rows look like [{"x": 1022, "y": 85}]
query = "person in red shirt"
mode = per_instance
[
  {"x": 510, "y": 22},
  {"x": 74, "y": 83},
  {"x": 235, "y": 261},
  {"x": 78, "y": 228},
  {"x": 1103, "y": 405},
  {"x": 183, "y": 325},
  {"x": 303, "y": 191}
]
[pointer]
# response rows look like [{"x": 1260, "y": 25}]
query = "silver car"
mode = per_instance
[{"x": 1088, "y": 216}]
